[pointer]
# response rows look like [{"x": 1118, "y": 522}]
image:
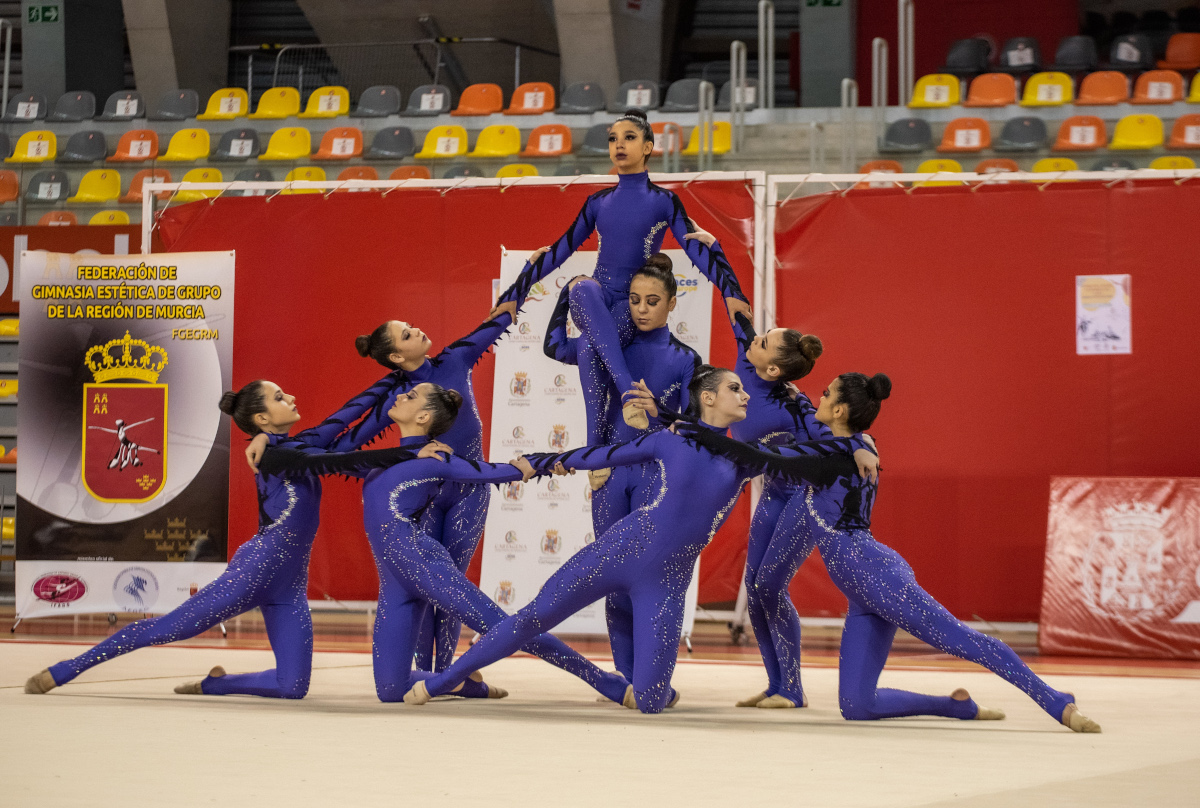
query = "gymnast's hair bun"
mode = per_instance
[
  {"x": 636, "y": 113},
  {"x": 455, "y": 398},
  {"x": 811, "y": 347},
  {"x": 660, "y": 261},
  {"x": 879, "y": 387},
  {"x": 362, "y": 344},
  {"x": 229, "y": 401}
]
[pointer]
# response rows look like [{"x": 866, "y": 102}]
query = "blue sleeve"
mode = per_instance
[
  {"x": 588, "y": 458},
  {"x": 291, "y": 457},
  {"x": 558, "y": 345},
  {"x": 376, "y": 422},
  {"x": 560, "y": 251},
  {"x": 688, "y": 360},
  {"x": 710, "y": 261},
  {"x": 463, "y": 470},
  {"x": 801, "y": 463},
  {"x": 806, "y": 413},
  {"x": 469, "y": 349},
  {"x": 823, "y": 448},
  {"x": 325, "y": 435}
]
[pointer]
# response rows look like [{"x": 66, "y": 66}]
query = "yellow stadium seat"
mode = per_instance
[
  {"x": 722, "y": 139},
  {"x": 518, "y": 170},
  {"x": 288, "y": 143},
  {"x": 937, "y": 167},
  {"x": 443, "y": 142},
  {"x": 1048, "y": 90},
  {"x": 8, "y": 528},
  {"x": 1194, "y": 95},
  {"x": 187, "y": 146},
  {"x": 8, "y": 387},
  {"x": 497, "y": 140},
  {"x": 935, "y": 90},
  {"x": 110, "y": 217},
  {"x": 1054, "y": 164},
  {"x": 278, "y": 102},
  {"x": 10, "y": 327},
  {"x": 35, "y": 146},
  {"x": 199, "y": 175},
  {"x": 304, "y": 174},
  {"x": 1138, "y": 132},
  {"x": 1172, "y": 163},
  {"x": 226, "y": 104},
  {"x": 327, "y": 102},
  {"x": 97, "y": 187}
]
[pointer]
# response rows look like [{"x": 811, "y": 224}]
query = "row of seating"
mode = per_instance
[
  {"x": 1131, "y": 52},
  {"x": 340, "y": 143},
  {"x": 1029, "y": 134},
  {"x": 994, "y": 165},
  {"x": 54, "y": 218},
  {"x": 1053, "y": 89}
]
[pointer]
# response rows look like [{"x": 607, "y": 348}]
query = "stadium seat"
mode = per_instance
[
  {"x": 880, "y": 167},
  {"x": 5, "y": 145},
  {"x": 35, "y": 146},
  {"x": 517, "y": 170},
  {"x": 199, "y": 175},
  {"x": 1131, "y": 53},
  {"x": 109, "y": 217},
  {"x": 84, "y": 147},
  {"x": 725, "y": 96},
  {"x": 581, "y": 98},
  {"x": 226, "y": 104},
  {"x": 10, "y": 186},
  {"x": 1183, "y": 53},
  {"x": 98, "y": 187},
  {"x": 340, "y": 143},
  {"x": 1024, "y": 134},
  {"x": 134, "y": 194},
  {"x": 136, "y": 146},
  {"x": 1103, "y": 88},
  {"x": 411, "y": 173},
  {"x": 498, "y": 140},
  {"x": 936, "y": 167},
  {"x": 1138, "y": 132},
  {"x": 905, "y": 136},
  {"x": 358, "y": 173},
  {"x": 26, "y": 107},
  {"x": 443, "y": 142},
  {"x": 237, "y": 144},
  {"x": 463, "y": 170},
  {"x": 1020, "y": 55},
  {"x": 394, "y": 143},
  {"x": 548, "y": 140},
  {"x": 1054, "y": 164},
  {"x": 288, "y": 143},
  {"x": 663, "y": 138},
  {"x": 480, "y": 99},
  {"x": 1111, "y": 164},
  {"x": 304, "y": 174},
  {"x": 187, "y": 146},
  {"x": 123, "y": 105},
  {"x": 596, "y": 140},
  {"x": 641, "y": 94},
  {"x": 327, "y": 102},
  {"x": 73, "y": 107},
  {"x": 1047, "y": 90},
  {"x": 429, "y": 100},
  {"x": 996, "y": 165},
  {"x": 48, "y": 186},
  {"x": 379, "y": 101},
  {"x": 722, "y": 139},
  {"x": 1076, "y": 54},
  {"x": 934, "y": 91},
  {"x": 1185, "y": 134},
  {"x": 682, "y": 96},
  {"x": 254, "y": 175},
  {"x": 1194, "y": 95},
  {"x": 966, "y": 135},
  {"x": 277, "y": 103},
  {"x": 58, "y": 218},
  {"x": 967, "y": 58},
  {"x": 1080, "y": 133},
  {"x": 572, "y": 170},
  {"x": 9, "y": 219},
  {"x": 992, "y": 90},
  {"x": 531, "y": 98},
  {"x": 1173, "y": 162},
  {"x": 177, "y": 105},
  {"x": 1158, "y": 87}
]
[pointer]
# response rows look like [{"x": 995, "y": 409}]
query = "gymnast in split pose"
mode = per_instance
[
  {"x": 630, "y": 219},
  {"x": 881, "y": 586},
  {"x": 414, "y": 569},
  {"x": 648, "y": 555},
  {"x": 663, "y": 366},
  {"x": 270, "y": 571}
]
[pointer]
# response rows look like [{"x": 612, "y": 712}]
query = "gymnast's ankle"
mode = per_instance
[
  {"x": 752, "y": 701},
  {"x": 1077, "y": 721}
]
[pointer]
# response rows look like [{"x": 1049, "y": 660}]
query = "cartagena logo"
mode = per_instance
[
  {"x": 519, "y": 386},
  {"x": 59, "y": 588},
  {"x": 681, "y": 328},
  {"x": 506, "y": 593},
  {"x": 135, "y": 589},
  {"x": 588, "y": 537},
  {"x": 511, "y": 537},
  {"x": 551, "y": 542},
  {"x": 558, "y": 437},
  {"x": 518, "y": 432},
  {"x": 513, "y": 492},
  {"x": 524, "y": 328},
  {"x": 560, "y": 380},
  {"x": 553, "y": 485}
]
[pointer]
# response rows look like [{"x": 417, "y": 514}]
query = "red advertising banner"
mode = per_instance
[
  {"x": 1122, "y": 568},
  {"x": 108, "y": 240}
]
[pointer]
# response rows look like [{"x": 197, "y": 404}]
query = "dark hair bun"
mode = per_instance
[
  {"x": 636, "y": 113},
  {"x": 362, "y": 344},
  {"x": 660, "y": 261},
  {"x": 879, "y": 387},
  {"x": 811, "y": 347},
  {"x": 455, "y": 398},
  {"x": 228, "y": 402}
]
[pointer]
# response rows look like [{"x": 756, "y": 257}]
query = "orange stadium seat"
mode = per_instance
[
  {"x": 480, "y": 99},
  {"x": 1102, "y": 88},
  {"x": 1158, "y": 87},
  {"x": 880, "y": 167},
  {"x": 10, "y": 186},
  {"x": 134, "y": 194},
  {"x": 548, "y": 140},
  {"x": 992, "y": 90},
  {"x": 1080, "y": 133},
  {"x": 58, "y": 218},
  {"x": 966, "y": 135},
  {"x": 411, "y": 173},
  {"x": 136, "y": 146},
  {"x": 341, "y": 143},
  {"x": 358, "y": 173},
  {"x": 996, "y": 165},
  {"x": 1183, "y": 52},
  {"x": 664, "y": 139},
  {"x": 1185, "y": 134},
  {"x": 532, "y": 98}
]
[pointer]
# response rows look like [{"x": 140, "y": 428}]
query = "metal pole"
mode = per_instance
[
  {"x": 766, "y": 52},
  {"x": 816, "y": 146},
  {"x": 905, "y": 60},
  {"x": 849, "y": 124},
  {"x": 7, "y": 64},
  {"x": 250, "y": 74},
  {"x": 517, "y": 69},
  {"x": 737, "y": 90},
  {"x": 879, "y": 88},
  {"x": 673, "y": 133},
  {"x": 708, "y": 96}
]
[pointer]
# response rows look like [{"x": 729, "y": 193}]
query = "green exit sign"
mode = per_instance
[{"x": 43, "y": 14}]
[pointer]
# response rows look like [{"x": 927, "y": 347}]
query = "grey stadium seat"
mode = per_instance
[
  {"x": 5, "y": 145},
  {"x": 72, "y": 107},
  {"x": 177, "y": 105},
  {"x": 84, "y": 147},
  {"x": 1131, "y": 53},
  {"x": 725, "y": 97},
  {"x": 9, "y": 219},
  {"x": 1019, "y": 55},
  {"x": 595, "y": 141},
  {"x": 255, "y": 175},
  {"x": 582, "y": 97},
  {"x": 463, "y": 170},
  {"x": 431, "y": 105},
  {"x": 906, "y": 136},
  {"x": 644, "y": 91},
  {"x": 1076, "y": 54},
  {"x": 34, "y": 107},
  {"x": 1024, "y": 134},
  {"x": 47, "y": 187},
  {"x": 572, "y": 170},
  {"x": 1112, "y": 164},
  {"x": 238, "y": 144},
  {"x": 130, "y": 103},
  {"x": 682, "y": 96},
  {"x": 379, "y": 101},
  {"x": 393, "y": 143},
  {"x": 967, "y": 57}
]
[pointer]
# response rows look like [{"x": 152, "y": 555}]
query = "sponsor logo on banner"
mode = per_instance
[
  {"x": 553, "y": 494},
  {"x": 512, "y": 496},
  {"x": 1124, "y": 573},
  {"x": 589, "y": 537},
  {"x": 125, "y": 424},
  {"x": 536, "y": 293},
  {"x": 59, "y": 588},
  {"x": 551, "y": 544},
  {"x": 561, "y": 390},
  {"x": 686, "y": 284},
  {"x": 518, "y": 442},
  {"x": 558, "y": 437},
  {"x": 511, "y": 545},
  {"x": 135, "y": 589},
  {"x": 519, "y": 389},
  {"x": 587, "y": 497},
  {"x": 681, "y": 329},
  {"x": 506, "y": 593},
  {"x": 526, "y": 336}
]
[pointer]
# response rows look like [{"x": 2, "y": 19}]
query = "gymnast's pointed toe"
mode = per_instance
[
  {"x": 635, "y": 416},
  {"x": 1077, "y": 721},
  {"x": 39, "y": 683},
  {"x": 419, "y": 694},
  {"x": 776, "y": 702},
  {"x": 752, "y": 701}
]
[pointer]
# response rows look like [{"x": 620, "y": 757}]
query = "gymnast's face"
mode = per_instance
[
  {"x": 830, "y": 410},
  {"x": 649, "y": 303},
  {"x": 726, "y": 404},
  {"x": 409, "y": 343},
  {"x": 409, "y": 411},
  {"x": 628, "y": 148},
  {"x": 281, "y": 410},
  {"x": 762, "y": 353}
]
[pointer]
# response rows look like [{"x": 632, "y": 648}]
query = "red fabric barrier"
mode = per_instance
[
  {"x": 315, "y": 272},
  {"x": 966, "y": 299}
]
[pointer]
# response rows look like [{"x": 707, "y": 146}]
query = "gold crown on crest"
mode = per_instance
[{"x": 107, "y": 364}]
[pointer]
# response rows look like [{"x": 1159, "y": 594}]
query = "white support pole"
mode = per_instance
[
  {"x": 737, "y": 93},
  {"x": 905, "y": 59},
  {"x": 766, "y": 53},
  {"x": 849, "y": 124},
  {"x": 879, "y": 83}
]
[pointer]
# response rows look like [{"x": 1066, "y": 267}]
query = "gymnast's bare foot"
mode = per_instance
[
  {"x": 753, "y": 700},
  {"x": 194, "y": 688},
  {"x": 981, "y": 713},
  {"x": 635, "y": 416},
  {"x": 40, "y": 683},
  {"x": 419, "y": 694},
  {"x": 1077, "y": 721},
  {"x": 598, "y": 477},
  {"x": 778, "y": 702}
]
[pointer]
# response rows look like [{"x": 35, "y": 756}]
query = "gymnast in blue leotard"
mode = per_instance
[
  {"x": 270, "y": 571},
  {"x": 882, "y": 588},
  {"x": 416, "y": 571}
]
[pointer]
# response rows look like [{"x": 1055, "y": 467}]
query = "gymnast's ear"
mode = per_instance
[{"x": 773, "y": 372}]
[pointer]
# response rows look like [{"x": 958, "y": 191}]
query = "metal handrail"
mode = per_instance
[
  {"x": 849, "y": 124},
  {"x": 905, "y": 45},
  {"x": 816, "y": 145},
  {"x": 708, "y": 104},
  {"x": 7, "y": 60},
  {"x": 879, "y": 88},
  {"x": 673, "y": 135},
  {"x": 738, "y": 87},
  {"x": 766, "y": 52}
]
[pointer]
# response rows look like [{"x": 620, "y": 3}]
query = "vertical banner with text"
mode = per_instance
[{"x": 122, "y": 491}]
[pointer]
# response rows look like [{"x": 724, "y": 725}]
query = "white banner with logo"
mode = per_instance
[
  {"x": 70, "y": 587},
  {"x": 537, "y": 406}
]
